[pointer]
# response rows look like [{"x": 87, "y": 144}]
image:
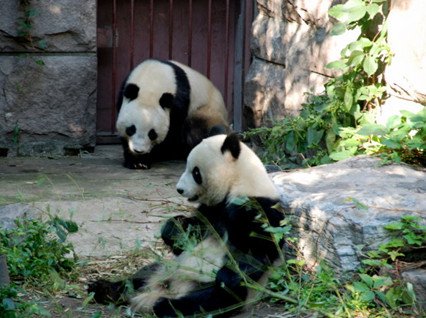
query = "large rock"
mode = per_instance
[
  {"x": 57, "y": 26},
  {"x": 47, "y": 103},
  {"x": 291, "y": 38},
  {"x": 338, "y": 207}
]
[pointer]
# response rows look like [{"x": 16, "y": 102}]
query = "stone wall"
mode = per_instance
[
  {"x": 48, "y": 77},
  {"x": 291, "y": 45},
  {"x": 407, "y": 73}
]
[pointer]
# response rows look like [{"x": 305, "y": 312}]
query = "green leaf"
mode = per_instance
[
  {"x": 373, "y": 262},
  {"x": 338, "y": 28},
  {"x": 348, "y": 98},
  {"x": 337, "y": 12},
  {"x": 341, "y": 155},
  {"x": 372, "y": 129},
  {"x": 356, "y": 10},
  {"x": 391, "y": 144},
  {"x": 339, "y": 65},
  {"x": 394, "y": 226},
  {"x": 352, "y": 10},
  {"x": 370, "y": 65},
  {"x": 367, "y": 296},
  {"x": 356, "y": 58},
  {"x": 360, "y": 44},
  {"x": 330, "y": 138},
  {"x": 381, "y": 281},
  {"x": 366, "y": 279},
  {"x": 391, "y": 297},
  {"x": 361, "y": 287},
  {"x": 291, "y": 142},
  {"x": 314, "y": 136},
  {"x": 373, "y": 9}
]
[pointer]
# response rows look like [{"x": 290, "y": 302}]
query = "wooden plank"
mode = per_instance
[{"x": 239, "y": 67}]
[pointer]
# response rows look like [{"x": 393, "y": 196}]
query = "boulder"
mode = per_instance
[{"x": 337, "y": 208}]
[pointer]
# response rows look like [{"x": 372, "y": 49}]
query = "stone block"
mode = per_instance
[
  {"x": 57, "y": 26},
  {"x": 307, "y": 11},
  {"x": 302, "y": 46},
  {"x": 337, "y": 208},
  {"x": 264, "y": 92},
  {"x": 47, "y": 103}
]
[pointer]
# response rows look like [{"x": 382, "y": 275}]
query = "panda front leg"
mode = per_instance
[
  {"x": 135, "y": 161},
  {"x": 178, "y": 228}
]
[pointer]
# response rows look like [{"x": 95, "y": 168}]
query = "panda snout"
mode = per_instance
[{"x": 179, "y": 190}]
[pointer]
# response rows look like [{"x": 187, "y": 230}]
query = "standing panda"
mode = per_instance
[
  {"x": 165, "y": 109},
  {"x": 234, "y": 247}
]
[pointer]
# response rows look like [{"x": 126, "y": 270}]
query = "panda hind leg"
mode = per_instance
[
  {"x": 106, "y": 292},
  {"x": 214, "y": 300}
]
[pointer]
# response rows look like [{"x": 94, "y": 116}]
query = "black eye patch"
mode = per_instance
[
  {"x": 131, "y": 130},
  {"x": 152, "y": 134},
  {"x": 131, "y": 91},
  {"x": 197, "y": 175}
]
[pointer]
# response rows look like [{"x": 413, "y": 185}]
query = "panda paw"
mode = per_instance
[
  {"x": 107, "y": 292},
  {"x": 137, "y": 165},
  {"x": 164, "y": 308}
]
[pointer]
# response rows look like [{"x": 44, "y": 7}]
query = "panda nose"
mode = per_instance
[{"x": 180, "y": 191}]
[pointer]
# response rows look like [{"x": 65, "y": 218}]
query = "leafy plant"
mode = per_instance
[
  {"x": 25, "y": 27},
  {"x": 328, "y": 126},
  {"x": 401, "y": 139},
  {"x": 34, "y": 249},
  {"x": 11, "y": 306},
  {"x": 368, "y": 293}
]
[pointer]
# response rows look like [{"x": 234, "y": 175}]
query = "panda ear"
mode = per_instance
[
  {"x": 131, "y": 91},
  {"x": 232, "y": 144},
  {"x": 166, "y": 100}
]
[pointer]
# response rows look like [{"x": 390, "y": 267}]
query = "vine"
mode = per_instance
[
  {"x": 330, "y": 126},
  {"x": 25, "y": 26}
]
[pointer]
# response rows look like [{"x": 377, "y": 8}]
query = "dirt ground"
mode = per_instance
[{"x": 119, "y": 212}]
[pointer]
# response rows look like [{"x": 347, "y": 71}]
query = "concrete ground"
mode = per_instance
[{"x": 117, "y": 209}]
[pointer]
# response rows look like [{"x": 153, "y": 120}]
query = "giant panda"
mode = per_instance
[
  {"x": 234, "y": 248},
  {"x": 164, "y": 109}
]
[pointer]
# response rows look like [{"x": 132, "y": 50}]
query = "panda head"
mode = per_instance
[
  {"x": 143, "y": 120},
  {"x": 222, "y": 168}
]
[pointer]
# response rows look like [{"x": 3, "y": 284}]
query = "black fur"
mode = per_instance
[
  {"x": 184, "y": 132},
  {"x": 232, "y": 144},
  {"x": 253, "y": 250},
  {"x": 131, "y": 91},
  {"x": 166, "y": 100}
]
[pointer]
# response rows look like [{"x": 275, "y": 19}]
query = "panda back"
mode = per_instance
[
  {"x": 203, "y": 93},
  {"x": 153, "y": 78}
]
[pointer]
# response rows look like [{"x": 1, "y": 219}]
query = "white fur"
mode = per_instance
[
  {"x": 222, "y": 174},
  {"x": 154, "y": 79},
  {"x": 180, "y": 275}
]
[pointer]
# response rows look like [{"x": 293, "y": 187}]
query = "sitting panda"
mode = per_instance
[
  {"x": 165, "y": 109},
  {"x": 231, "y": 248}
]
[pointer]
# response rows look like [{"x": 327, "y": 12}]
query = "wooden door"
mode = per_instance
[{"x": 209, "y": 36}]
